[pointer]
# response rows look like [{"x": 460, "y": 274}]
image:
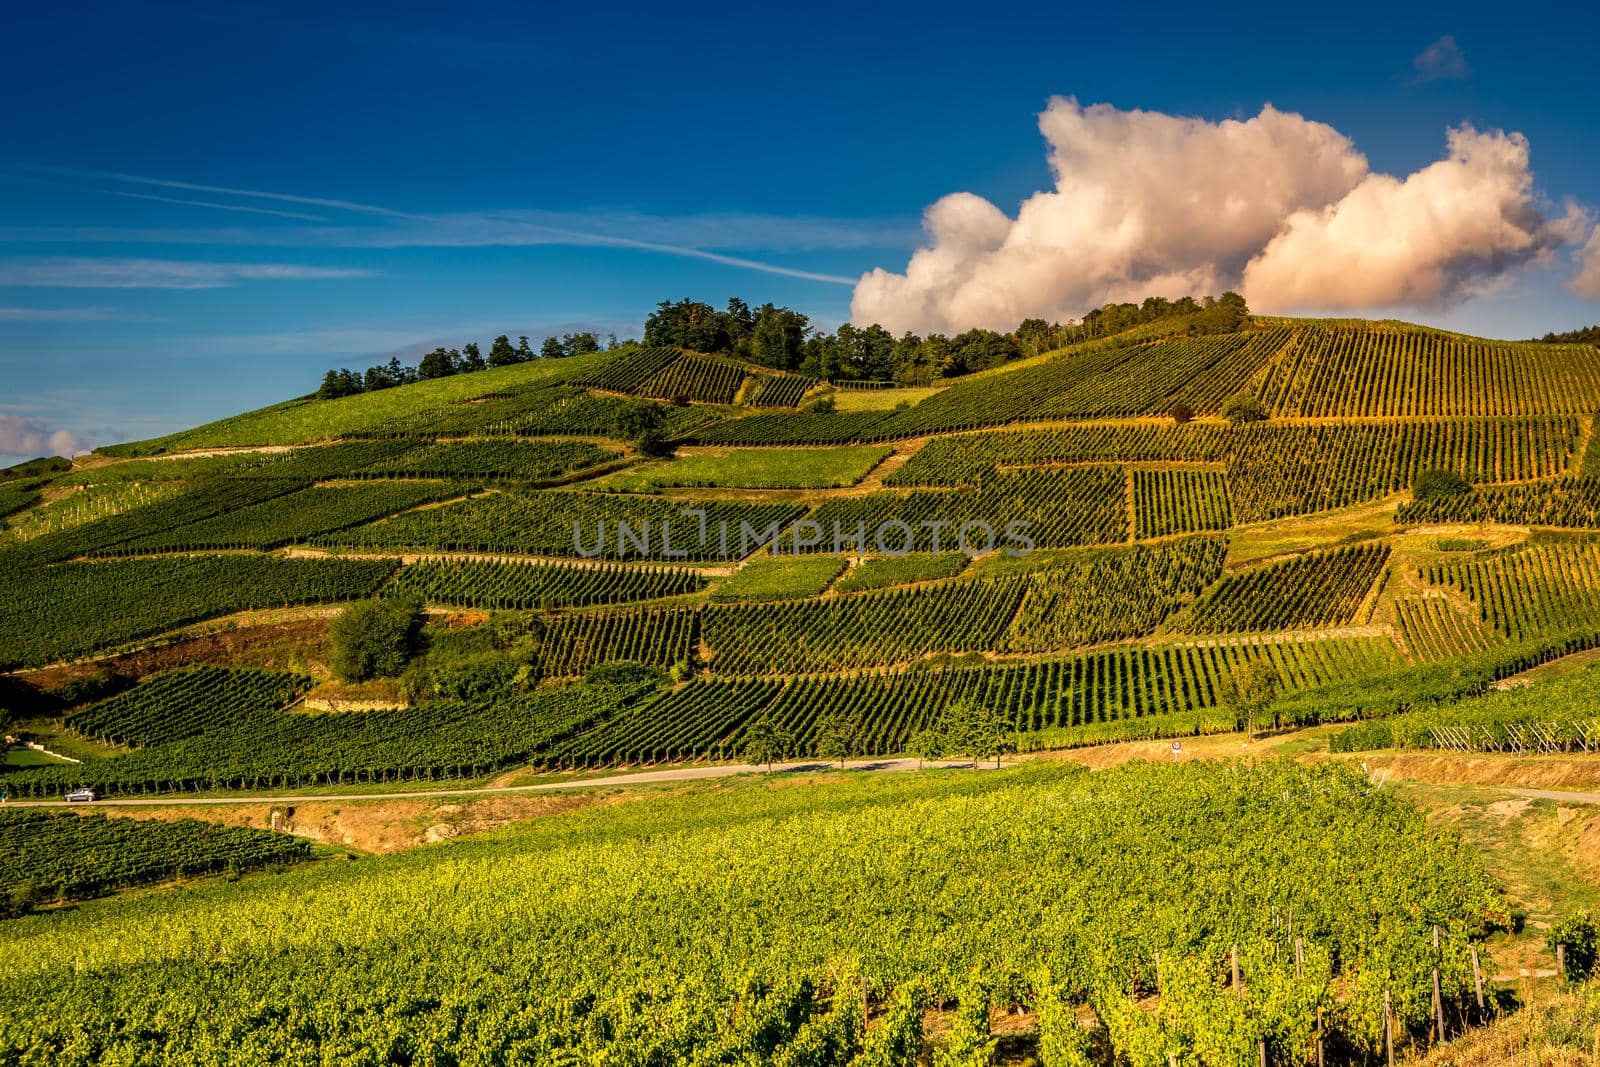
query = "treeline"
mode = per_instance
[
  {"x": 443, "y": 362},
  {"x": 1588, "y": 335},
  {"x": 784, "y": 338}
]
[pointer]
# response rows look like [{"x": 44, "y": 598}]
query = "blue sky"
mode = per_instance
[{"x": 440, "y": 175}]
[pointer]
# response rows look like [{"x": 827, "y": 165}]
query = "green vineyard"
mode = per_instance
[
  {"x": 1305, "y": 592},
  {"x": 73, "y": 857},
  {"x": 1538, "y": 591},
  {"x": 1433, "y": 629},
  {"x": 519, "y": 585},
  {"x": 186, "y": 703}
]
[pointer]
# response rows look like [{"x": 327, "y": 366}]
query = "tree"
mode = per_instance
[
  {"x": 471, "y": 358},
  {"x": 501, "y": 354},
  {"x": 778, "y": 337},
  {"x": 838, "y": 736},
  {"x": 551, "y": 349},
  {"x": 1248, "y": 692},
  {"x": 1181, "y": 413},
  {"x": 1243, "y": 408},
  {"x": 978, "y": 350},
  {"x": 926, "y": 744},
  {"x": 375, "y": 639},
  {"x": 578, "y": 344},
  {"x": 765, "y": 743},
  {"x": 1435, "y": 484},
  {"x": 436, "y": 364},
  {"x": 331, "y": 389},
  {"x": 976, "y": 730},
  {"x": 524, "y": 350}
]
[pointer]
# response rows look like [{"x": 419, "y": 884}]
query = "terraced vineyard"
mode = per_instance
[
  {"x": 1433, "y": 629},
  {"x": 696, "y": 378},
  {"x": 1178, "y": 501},
  {"x": 1314, "y": 590},
  {"x": 521, "y": 585},
  {"x": 570, "y": 644},
  {"x": 1571, "y": 502},
  {"x": 1403, "y": 371},
  {"x": 1524, "y": 593},
  {"x": 186, "y": 703},
  {"x": 780, "y": 390},
  {"x": 74, "y": 856}
]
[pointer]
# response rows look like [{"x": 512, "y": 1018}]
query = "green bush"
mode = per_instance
[
  {"x": 1243, "y": 408},
  {"x": 1436, "y": 484},
  {"x": 375, "y": 639},
  {"x": 1581, "y": 937}
]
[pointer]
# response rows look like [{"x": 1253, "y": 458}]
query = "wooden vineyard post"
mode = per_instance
[
  {"x": 1261, "y": 1047},
  {"x": 1299, "y": 957},
  {"x": 1477, "y": 980},
  {"x": 1319, "y": 1036},
  {"x": 1238, "y": 986},
  {"x": 1388, "y": 1028},
  {"x": 1561, "y": 963},
  {"x": 1438, "y": 993}
]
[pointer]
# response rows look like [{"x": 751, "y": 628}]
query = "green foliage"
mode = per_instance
[
  {"x": 32, "y": 469},
  {"x": 520, "y": 585},
  {"x": 897, "y": 1040},
  {"x": 622, "y": 672},
  {"x": 886, "y": 571},
  {"x": 185, "y": 702},
  {"x": 84, "y": 856},
  {"x": 765, "y": 743},
  {"x": 758, "y": 468},
  {"x": 1581, "y": 939},
  {"x": 1247, "y": 693},
  {"x": 1435, "y": 484},
  {"x": 779, "y": 577},
  {"x": 1306, "y": 591},
  {"x": 492, "y": 460},
  {"x": 969, "y": 1043},
  {"x": 575, "y": 523},
  {"x": 72, "y": 609},
  {"x": 375, "y": 639},
  {"x": 569, "y": 644},
  {"x": 1529, "y": 592}
]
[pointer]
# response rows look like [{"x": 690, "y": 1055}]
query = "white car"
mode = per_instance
[{"x": 81, "y": 796}]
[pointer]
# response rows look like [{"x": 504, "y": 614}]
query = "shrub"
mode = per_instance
[
  {"x": 621, "y": 672},
  {"x": 1581, "y": 937},
  {"x": 1243, "y": 408},
  {"x": 1436, "y": 483},
  {"x": 822, "y": 405},
  {"x": 375, "y": 639},
  {"x": 1181, "y": 413}
]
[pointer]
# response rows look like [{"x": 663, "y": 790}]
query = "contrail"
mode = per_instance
[
  {"x": 213, "y": 204},
  {"x": 572, "y": 237}
]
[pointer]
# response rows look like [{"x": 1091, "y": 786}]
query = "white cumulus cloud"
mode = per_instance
[
  {"x": 32, "y": 437},
  {"x": 1152, "y": 204},
  {"x": 1443, "y": 233},
  {"x": 1587, "y": 281}
]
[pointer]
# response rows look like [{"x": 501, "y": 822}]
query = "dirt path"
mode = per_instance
[{"x": 676, "y": 774}]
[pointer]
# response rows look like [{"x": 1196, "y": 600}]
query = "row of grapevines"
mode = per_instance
[
  {"x": 1110, "y": 594},
  {"x": 661, "y": 637},
  {"x": 691, "y": 377},
  {"x": 89, "y": 504},
  {"x": 798, "y": 428},
  {"x": 627, "y": 371},
  {"x": 1175, "y": 501},
  {"x": 495, "y": 460},
  {"x": 264, "y": 750},
  {"x": 1302, "y": 592},
  {"x": 1156, "y": 684},
  {"x": 860, "y": 630},
  {"x": 311, "y": 463},
  {"x": 1573, "y": 502},
  {"x": 774, "y": 919},
  {"x": 1070, "y": 506},
  {"x": 1528, "y": 592},
  {"x": 576, "y": 524},
  {"x": 1433, "y": 629},
  {"x": 185, "y": 702},
  {"x": 780, "y": 390},
  {"x": 514, "y": 584},
  {"x": 291, "y": 519},
  {"x": 77, "y": 856},
  {"x": 1392, "y": 370},
  {"x": 73, "y": 609}
]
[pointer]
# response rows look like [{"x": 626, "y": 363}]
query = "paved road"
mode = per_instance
[{"x": 675, "y": 774}]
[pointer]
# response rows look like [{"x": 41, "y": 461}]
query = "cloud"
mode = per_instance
[
  {"x": 71, "y": 272},
  {"x": 82, "y": 314},
  {"x": 224, "y": 190},
  {"x": 1441, "y": 234},
  {"x": 1587, "y": 281},
  {"x": 1439, "y": 61},
  {"x": 1152, "y": 204},
  {"x": 33, "y": 437}
]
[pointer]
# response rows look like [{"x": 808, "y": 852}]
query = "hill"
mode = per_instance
[{"x": 526, "y": 506}]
